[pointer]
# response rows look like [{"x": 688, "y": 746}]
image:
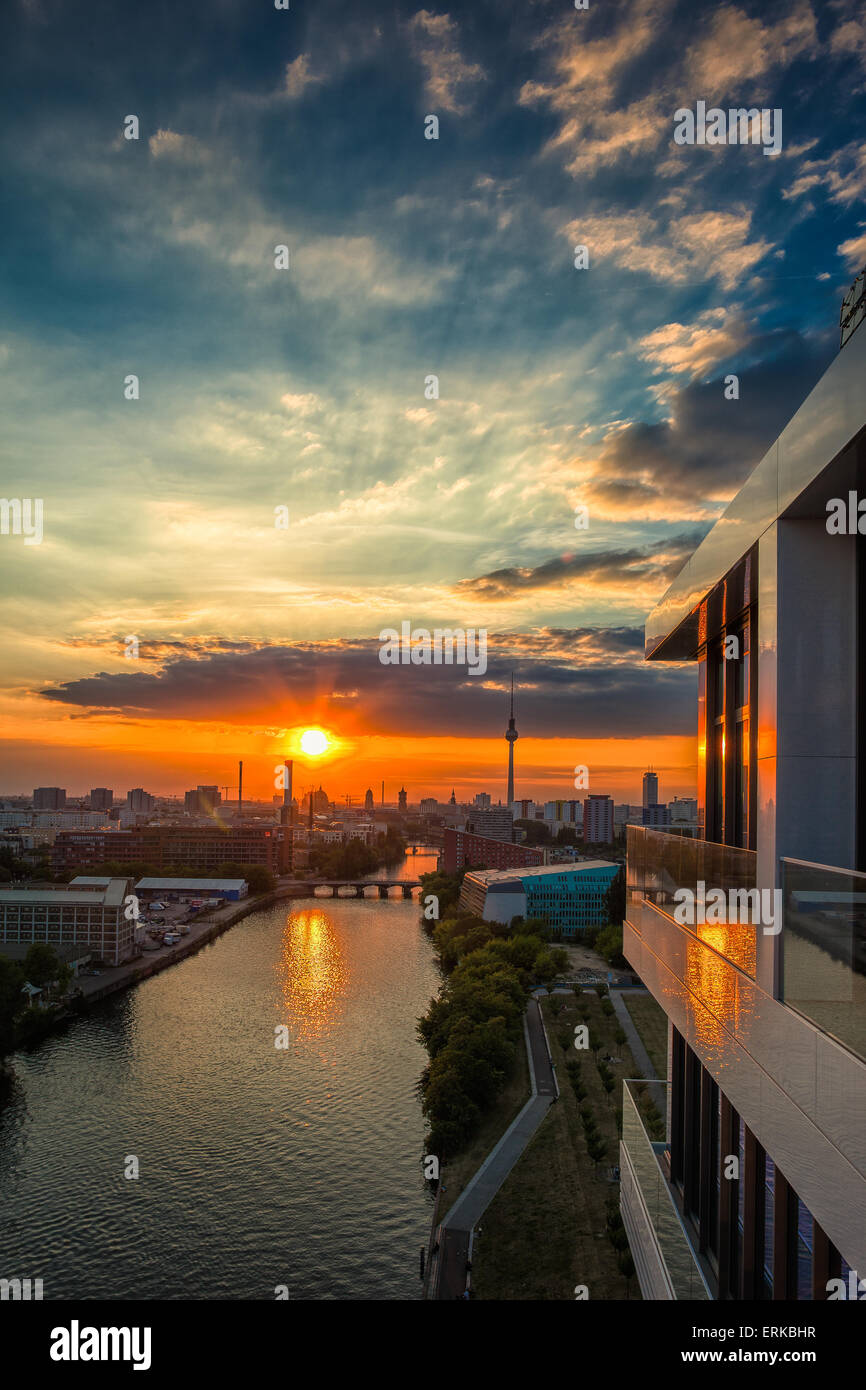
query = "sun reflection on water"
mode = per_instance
[{"x": 313, "y": 973}]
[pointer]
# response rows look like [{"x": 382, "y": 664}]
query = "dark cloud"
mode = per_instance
[
  {"x": 600, "y": 689},
  {"x": 710, "y": 445},
  {"x": 659, "y": 561}
]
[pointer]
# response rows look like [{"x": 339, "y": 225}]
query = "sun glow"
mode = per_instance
[{"x": 314, "y": 743}]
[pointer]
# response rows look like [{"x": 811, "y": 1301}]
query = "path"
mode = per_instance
[
  {"x": 638, "y": 1051},
  {"x": 448, "y": 1280}
]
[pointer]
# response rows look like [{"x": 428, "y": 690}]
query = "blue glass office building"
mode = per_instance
[{"x": 570, "y": 896}]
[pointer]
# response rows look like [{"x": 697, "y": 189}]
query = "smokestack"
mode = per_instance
[
  {"x": 240, "y": 784},
  {"x": 286, "y": 808},
  {"x": 383, "y": 791}
]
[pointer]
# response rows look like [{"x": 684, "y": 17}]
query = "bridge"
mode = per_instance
[{"x": 306, "y": 887}]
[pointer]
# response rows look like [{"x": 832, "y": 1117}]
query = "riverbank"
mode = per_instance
[{"x": 132, "y": 972}]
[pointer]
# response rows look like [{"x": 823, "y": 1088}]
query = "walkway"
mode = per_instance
[
  {"x": 638, "y": 1051},
  {"x": 448, "y": 1279}
]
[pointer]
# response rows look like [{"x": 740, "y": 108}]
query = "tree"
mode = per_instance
[
  {"x": 609, "y": 944},
  {"x": 41, "y": 964},
  {"x": 11, "y": 1002},
  {"x": 537, "y": 833}
]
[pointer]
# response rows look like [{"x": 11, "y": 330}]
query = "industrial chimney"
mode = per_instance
[{"x": 286, "y": 813}]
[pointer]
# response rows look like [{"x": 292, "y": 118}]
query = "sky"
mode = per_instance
[{"x": 306, "y": 389}]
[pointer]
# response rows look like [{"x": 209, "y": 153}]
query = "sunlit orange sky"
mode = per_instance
[{"x": 403, "y": 422}]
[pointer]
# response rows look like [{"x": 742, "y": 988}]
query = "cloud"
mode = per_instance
[
  {"x": 693, "y": 248},
  {"x": 841, "y": 176},
  {"x": 583, "y": 682},
  {"x": 656, "y": 563},
  {"x": 689, "y": 464},
  {"x": 692, "y": 349},
  {"x": 740, "y": 49},
  {"x": 299, "y": 77},
  {"x": 451, "y": 80},
  {"x": 854, "y": 250},
  {"x": 169, "y": 144}
]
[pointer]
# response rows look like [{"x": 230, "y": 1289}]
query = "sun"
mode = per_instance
[{"x": 314, "y": 743}]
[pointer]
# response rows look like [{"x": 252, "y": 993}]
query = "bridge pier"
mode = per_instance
[
  {"x": 383, "y": 889},
  {"x": 359, "y": 890},
  {"x": 407, "y": 890},
  {"x": 335, "y": 890}
]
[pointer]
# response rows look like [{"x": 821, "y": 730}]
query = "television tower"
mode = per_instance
[{"x": 512, "y": 736}]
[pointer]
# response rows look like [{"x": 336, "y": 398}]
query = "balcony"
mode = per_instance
[
  {"x": 665, "y": 1260},
  {"x": 660, "y": 864},
  {"x": 824, "y": 949}
]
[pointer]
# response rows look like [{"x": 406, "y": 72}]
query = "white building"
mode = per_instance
[{"x": 92, "y": 917}]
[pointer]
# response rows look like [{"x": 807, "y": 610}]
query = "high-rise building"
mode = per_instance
[
  {"x": 751, "y": 938},
  {"x": 203, "y": 801},
  {"x": 49, "y": 798},
  {"x": 598, "y": 819},
  {"x": 496, "y": 823},
  {"x": 429, "y": 806},
  {"x": 512, "y": 736},
  {"x": 656, "y": 815},
  {"x": 140, "y": 800},
  {"x": 101, "y": 798},
  {"x": 368, "y": 800},
  {"x": 482, "y": 801},
  {"x": 402, "y": 803},
  {"x": 683, "y": 810},
  {"x": 650, "y": 789}
]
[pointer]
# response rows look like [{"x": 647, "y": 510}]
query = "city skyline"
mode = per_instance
[{"x": 408, "y": 420}]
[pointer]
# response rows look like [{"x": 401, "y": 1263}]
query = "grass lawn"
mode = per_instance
[
  {"x": 545, "y": 1231},
  {"x": 652, "y": 1026},
  {"x": 456, "y": 1174}
]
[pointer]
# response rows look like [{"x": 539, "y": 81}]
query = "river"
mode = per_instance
[{"x": 258, "y": 1166}]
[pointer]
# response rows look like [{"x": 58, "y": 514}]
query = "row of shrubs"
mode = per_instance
[{"x": 474, "y": 1026}]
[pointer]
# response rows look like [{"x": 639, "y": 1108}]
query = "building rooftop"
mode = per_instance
[
  {"x": 113, "y": 892},
  {"x": 499, "y": 876},
  {"x": 224, "y": 884}
]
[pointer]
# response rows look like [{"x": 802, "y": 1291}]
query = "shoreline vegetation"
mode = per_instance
[{"x": 473, "y": 1028}]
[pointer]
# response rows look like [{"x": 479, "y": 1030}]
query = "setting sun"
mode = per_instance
[{"x": 314, "y": 742}]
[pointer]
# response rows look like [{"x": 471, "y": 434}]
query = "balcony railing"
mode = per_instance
[
  {"x": 645, "y": 1157},
  {"x": 824, "y": 949},
  {"x": 660, "y": 865}
]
